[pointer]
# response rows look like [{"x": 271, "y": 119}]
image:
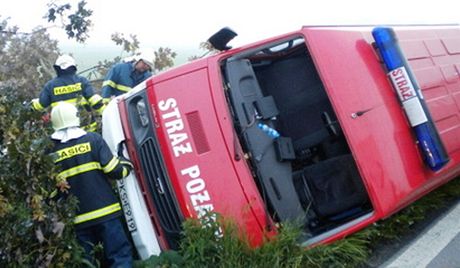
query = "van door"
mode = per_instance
[{"x": 371, "y": 118}]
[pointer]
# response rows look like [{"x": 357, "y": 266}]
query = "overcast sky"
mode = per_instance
[{"x": 184, "y": 24}]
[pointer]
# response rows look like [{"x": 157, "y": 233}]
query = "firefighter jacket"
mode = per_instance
[
  {"x": 86, "y": 163},
  {"x": 69, "y": 88},
  {"x": 121, "y": 78}
]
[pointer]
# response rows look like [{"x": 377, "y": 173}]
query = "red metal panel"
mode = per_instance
[
  {"x": 452, "y": 45},
  {"x": 440, "y": 83},
  {"x": 428, "y": 77},
  {"x": 198, "y": 133},
  {"x": 415, "y": 49},
  {"x": 435, "y": 47},
  {"x": 216, "y": 185},
  {"x": 381, "y": 139},
  {"x": 450, "y": 73}
]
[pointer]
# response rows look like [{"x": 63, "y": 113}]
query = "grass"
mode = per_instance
[{"x": 200, "y": 247}]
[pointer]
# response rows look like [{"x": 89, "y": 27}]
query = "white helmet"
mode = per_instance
[
  {"x": 64, "y": 115},
  {"x": 138, "y": 57},
  {"x": 65, "y": 61}
]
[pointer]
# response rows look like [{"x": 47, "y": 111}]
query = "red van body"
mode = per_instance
[{"x": 199, "y": 134}]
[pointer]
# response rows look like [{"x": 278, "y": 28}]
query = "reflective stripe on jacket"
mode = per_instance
[
  {"x": 69, "y": 88},
  {"x": 87, "y": 163},
  {"x": 121, "y": 78}
]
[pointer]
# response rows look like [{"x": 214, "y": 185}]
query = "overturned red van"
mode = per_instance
[{"x": 305, "y": 127}]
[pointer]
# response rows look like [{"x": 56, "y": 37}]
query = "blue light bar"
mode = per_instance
[{"x": 411, "y": 98}]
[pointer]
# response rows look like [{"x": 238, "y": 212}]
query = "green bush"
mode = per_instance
[
  {"x": 36, "y": 231},
  {"x": 201, "y": 247}
]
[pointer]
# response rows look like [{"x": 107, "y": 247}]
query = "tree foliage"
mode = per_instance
[
  {"x": 27, "y": 60},
  {"x": 207, "y": 48},
  {"x": 164, "y": 59},
  {"x": 36, "y": 230},
  {"x": 130, "y": 46},
  {"x": 76, "y": 22}
]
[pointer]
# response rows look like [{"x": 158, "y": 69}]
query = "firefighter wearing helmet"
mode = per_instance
[
  {"x": 123, "y": 76},
  {"x": 86, "y": 165},
  {"x": 69, "y": 87}
]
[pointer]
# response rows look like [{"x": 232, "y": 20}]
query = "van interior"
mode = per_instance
[{"x": 291, "y": 138}]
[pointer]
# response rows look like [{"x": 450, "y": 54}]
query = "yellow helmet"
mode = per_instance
[{"x": 64, "y": 115}]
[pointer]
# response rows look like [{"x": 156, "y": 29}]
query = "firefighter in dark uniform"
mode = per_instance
[
  {"x": 69, "y": 87},
  {"x": 86, "y": 165},
  {"x": 122, "y": 77}
]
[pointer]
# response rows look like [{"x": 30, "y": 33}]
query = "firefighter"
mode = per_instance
[
  {"x": 126, "y": 75},
  {"x": 69, "y": 87},
  {"x": 87, "y": 164}
]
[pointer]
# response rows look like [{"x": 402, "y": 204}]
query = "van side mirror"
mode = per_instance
[{"x": 220, "y": 39}]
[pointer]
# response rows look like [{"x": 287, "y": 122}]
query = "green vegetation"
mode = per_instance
[
  {"x": 200, "y": 246},
  {"x": 36, "y": 230}
]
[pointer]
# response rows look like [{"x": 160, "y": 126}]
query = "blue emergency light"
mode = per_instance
[{"x": 411, "y": 98}]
